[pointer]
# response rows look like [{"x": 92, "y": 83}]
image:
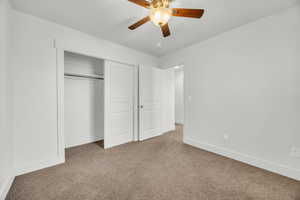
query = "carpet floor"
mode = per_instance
[{"x": 162, "y": 168}]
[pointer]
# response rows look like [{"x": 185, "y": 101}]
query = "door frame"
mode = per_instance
[
  {"x": 60, "y": 65},
  {"x": 182, "y": 64}
]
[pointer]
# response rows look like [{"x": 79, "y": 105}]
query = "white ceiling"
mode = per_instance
[{"x": 109, "y": 19}]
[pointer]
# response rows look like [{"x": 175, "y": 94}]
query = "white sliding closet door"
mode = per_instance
[
  {"x": 119, "y": 103},
  {"x": 150, "y": 102}
]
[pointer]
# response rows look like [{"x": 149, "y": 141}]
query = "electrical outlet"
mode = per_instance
[{"x": 295, "y": 152}]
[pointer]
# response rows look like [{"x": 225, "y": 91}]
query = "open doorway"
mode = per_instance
[
  {"x": 179, "y": 98},
  {"x": 83, "y": 100}
]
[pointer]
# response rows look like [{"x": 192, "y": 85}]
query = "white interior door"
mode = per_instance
[
  {"x": 168, "y": 100},
  {"x": 119, "y": 103},
  {"x": 150, "y": 102}
]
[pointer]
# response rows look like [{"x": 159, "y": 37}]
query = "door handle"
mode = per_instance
[{"x": 142, "y": 106}]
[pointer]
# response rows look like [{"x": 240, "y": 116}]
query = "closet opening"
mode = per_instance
[{"x": 83, "y": 100}]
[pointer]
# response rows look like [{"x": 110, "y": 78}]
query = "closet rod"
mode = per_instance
[{"x": 84, "y": 76}]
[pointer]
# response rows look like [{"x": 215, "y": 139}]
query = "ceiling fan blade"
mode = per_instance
[
  {"x": 183, "y": 12},
  {"x": 142, "y": 3},
  {"x": 166, "y": 30},
  {"x": 139, "y": 23}
]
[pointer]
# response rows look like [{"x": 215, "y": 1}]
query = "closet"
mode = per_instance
[
  {"x": 112, "y": 101},
  {"x": 83, "y": 99}
]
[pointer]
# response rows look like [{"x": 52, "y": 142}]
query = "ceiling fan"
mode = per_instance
[{"x": 161, "y": 12}]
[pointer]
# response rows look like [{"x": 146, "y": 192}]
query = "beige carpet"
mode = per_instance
[{"x": 160, "y": 168}]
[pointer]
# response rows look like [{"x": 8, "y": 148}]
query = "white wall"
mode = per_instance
[
  {"x": 83, "y": 101},
  {"x": 179, "y": 95},
  {"x": 244, "y": 84},
  {"x": 6, "y": 142},
  {"x": 35, "y": 83}
]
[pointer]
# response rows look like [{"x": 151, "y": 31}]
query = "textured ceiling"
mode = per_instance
[{"x": 109, "y": 19}]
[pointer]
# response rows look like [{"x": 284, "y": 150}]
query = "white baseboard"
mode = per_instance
[
  {"x": 150, "y": 136},
  {"x": 257, "y": 162},
  {"x": 91, "y": 140},
  {"x": 161, "y": 132},
  {"x": 167, "y": 130},
  {"x": 6, "y": 186},
  {"x": 39, "y": 165},
  {"x": 179, "y": 122}
]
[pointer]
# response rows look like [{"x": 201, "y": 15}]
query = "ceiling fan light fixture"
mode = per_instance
[
  {"x": 160, "y": 16},
  {"x": 161, "y": 12}
]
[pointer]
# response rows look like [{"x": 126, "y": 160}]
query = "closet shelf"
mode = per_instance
[{"x": 92, "y": 76}]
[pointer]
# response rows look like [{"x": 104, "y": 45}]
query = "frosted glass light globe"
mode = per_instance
[{"x": 160, "y": 16}]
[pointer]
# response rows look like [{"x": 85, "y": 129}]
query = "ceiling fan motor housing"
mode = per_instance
[{"x": 160, "y": 4}]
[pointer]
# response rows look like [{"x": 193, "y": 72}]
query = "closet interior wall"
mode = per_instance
[{"x": 83, "y": 99}]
